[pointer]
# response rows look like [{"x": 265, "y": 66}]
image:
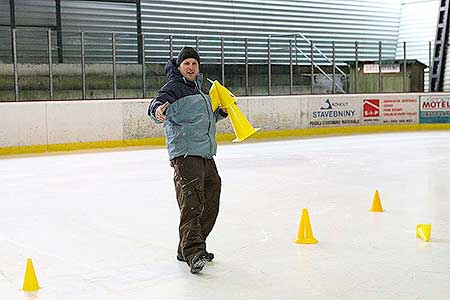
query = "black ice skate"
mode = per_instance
[
  {"x": 209, "y": 257},
  {"x": 198, "y": 262}
]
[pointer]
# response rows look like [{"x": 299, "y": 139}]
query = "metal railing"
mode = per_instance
[{"x": 287, "y": 50}]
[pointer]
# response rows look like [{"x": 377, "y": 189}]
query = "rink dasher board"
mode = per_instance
[{"x": 47, "y": 126}]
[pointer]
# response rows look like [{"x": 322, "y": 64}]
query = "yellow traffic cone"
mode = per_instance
[
  {"x": 241, "y": 126},
  {"x": 214, "y": 96},
  {"x": 30, "y": 283},
  {"x": 376, "y": 204},
  {"x": 305, "y": 235},
  {"x": 423, "y": 231},
  {"x": 226, "y": 97}
]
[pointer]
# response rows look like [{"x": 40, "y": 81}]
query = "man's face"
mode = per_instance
[{"x": 189, "y": 68}]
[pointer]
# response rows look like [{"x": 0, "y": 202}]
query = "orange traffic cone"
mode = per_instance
[
  {"x": 376, "y": 204},
  {"x": 305, "y": 235},
  {"x": 30, "y": 283}
]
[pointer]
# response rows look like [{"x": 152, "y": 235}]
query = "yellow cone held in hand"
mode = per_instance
[
  {"x": 214, "y": 96},
  {"x": 376, "y": 204},
  {"x": 226, "y": 97},
  {"x": 305, "y": 235},
  {"x": 423, "y": 231},
  {"x": 241, "y": 126},
  {"x": 30, "y": 283}
]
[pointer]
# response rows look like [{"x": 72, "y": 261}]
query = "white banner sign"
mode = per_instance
[{"x": 388, "y": 68}]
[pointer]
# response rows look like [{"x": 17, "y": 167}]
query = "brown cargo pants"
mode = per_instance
[{"x": 197, "y": 186}]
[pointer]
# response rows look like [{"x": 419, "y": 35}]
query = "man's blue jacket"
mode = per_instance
[{"x": 190, "y": 128}]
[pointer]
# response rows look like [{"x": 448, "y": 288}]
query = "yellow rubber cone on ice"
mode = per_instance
[
  {"x": 423, "y": 231},
  {"x": 30, "y": 283},
  {"x": 241, "y": 126},
  {"x": 376, "y": 203},
  {"x": 305, "y": 235}
]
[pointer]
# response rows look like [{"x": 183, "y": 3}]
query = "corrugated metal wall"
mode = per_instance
[
  {"x": 417, "y": 28},
  {"x": 322, "y": 21},
  {"x": 4, "y": 12},
  {"x": 5, "y": 39},
  {"x": 446, "y": 87},
  {"x": 98, "y": 20},
  {"x": 31, "y": 41},
  {"x": 343, "y": 21}
]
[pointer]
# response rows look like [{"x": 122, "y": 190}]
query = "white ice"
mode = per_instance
[{"x": 104, "y": 225}]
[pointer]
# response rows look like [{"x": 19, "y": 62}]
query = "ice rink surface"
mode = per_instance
[{"x": 104, "y": 226}]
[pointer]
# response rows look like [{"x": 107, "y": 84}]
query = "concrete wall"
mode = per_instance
[
  {"x": 65, "y": 122},
  {"x": 33, "y": 82}
]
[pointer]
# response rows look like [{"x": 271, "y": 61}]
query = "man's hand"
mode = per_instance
[{"x": 160, "y": 112}]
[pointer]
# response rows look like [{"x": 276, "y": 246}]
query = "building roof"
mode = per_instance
[{"x": 388, "y": 61}]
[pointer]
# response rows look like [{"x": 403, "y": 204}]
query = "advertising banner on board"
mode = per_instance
[
  {"x": 390, "y": 110},
  {"x": 371, "y": 111},
  {"x": 333, "y": 112},
  {"x": 435, "y": 109},
  {"x": 400, "y": 110},
  {"x": 338, "y": 111}
]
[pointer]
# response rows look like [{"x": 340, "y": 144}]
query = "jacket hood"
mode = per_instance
[{"x": 172, "y": 71}]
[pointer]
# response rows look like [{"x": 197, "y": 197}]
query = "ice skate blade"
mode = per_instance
[{"x": 198, "y": 266}]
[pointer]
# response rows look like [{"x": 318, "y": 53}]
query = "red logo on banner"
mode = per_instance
[{"x": 371, "y": 108}]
